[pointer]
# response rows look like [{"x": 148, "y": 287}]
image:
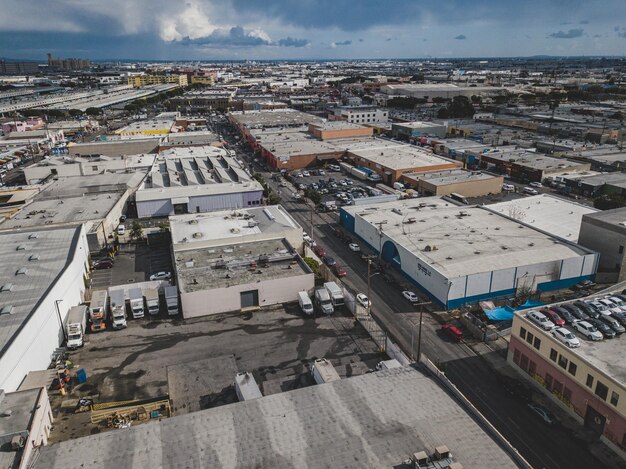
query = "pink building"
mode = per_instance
[{"x": 23, "y": 126}]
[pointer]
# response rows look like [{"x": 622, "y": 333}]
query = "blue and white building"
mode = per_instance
[{"x": 459, "y": 255}]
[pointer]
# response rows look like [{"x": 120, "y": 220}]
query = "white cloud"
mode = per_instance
[{"x": 193, "y": 22}]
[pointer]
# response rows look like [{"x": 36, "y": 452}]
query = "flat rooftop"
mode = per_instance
[
  {"x": 535, "y": 160},
  {"x": 615, "y": 218},
  {"x": 50, "y": 250},
  {"x": 374, "y": 420},
  {"x": 468, "y": 239},
  {"x": 337, "y": 125},
  {"x": 451, "y": 176},
  {"x": 277, "y": 118},
  {"x": 418, "y": 125},
  {"x": 156, "y": 126},
  {"x": 554, "y": 215},
  {"x": 236, "y": 264},
  {"x": 115, "y": 147},
  {"x": 399, "y": 157},
  {"x": 230, "y": 225}
]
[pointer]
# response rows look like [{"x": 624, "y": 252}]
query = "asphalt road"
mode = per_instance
[{"x": 542, "y": 446}]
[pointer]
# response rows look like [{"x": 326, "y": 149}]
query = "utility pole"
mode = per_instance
[
  {"x": 419, "y": 330},
  {"x": 380, "y": 237},
  {"x": 312, "y": 226}
]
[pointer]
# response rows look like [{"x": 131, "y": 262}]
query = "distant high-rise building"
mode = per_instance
[
  {"x": 67, "y": 64},
  {"x": 18, "y": 68}
]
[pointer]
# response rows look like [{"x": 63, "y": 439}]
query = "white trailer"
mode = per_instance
[
  {"x": 246, "y": 387},
  {"x": 98, "y": 310},
  {"x": 118, "y": 308},
  {"x": 336, "y": 294},
  {"x": 76, "y": 326},
  {"x": 135, "y": 296},
  {"x": 322, "y": 298},
  {"x": 388, "y": 364},
  {"x": 152, "y": 300},
  {"x": 323, "y": 371},
  {"x": 171, "y": 300}
]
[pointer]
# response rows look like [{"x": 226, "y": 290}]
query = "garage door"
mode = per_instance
[{"x": 249, "y": 298}]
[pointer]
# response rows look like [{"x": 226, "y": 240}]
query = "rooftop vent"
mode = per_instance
[
  {"x": 6, "y": 287},
  {"x": 21, "y": 271},
  {"x": 7, "y": 309},
  {"x": 21, "y": 247},
  {"x": 33, "y": 236},
  {"x": 34, "y": 257}
]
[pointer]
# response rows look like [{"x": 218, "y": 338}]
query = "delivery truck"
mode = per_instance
[
  {"x": 76, "y": 326},
  {"x": 246, "y": 387},
  {"x": 135, "y": 296},
  {"x": 152, "y": 301},
  {"x": 118, "y": 308},
  {"x": 322, "y": 299},
  {"x": 98, "y": 310},
  {"x": 306, "y": 305},
  {"x": 171, "y": 300},
  {"x": 323, "y": 371},
  {"x": 336, "y": 294}
]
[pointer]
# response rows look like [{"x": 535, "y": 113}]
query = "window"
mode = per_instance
[
  {"x": 572, "y": 368},
  {"x": 589, "y": 381},
  {"x": 601, "y": 390},
  {"x": 94, "y": 168},
  {"x": 529, "y": 338},
  {"x": 614, "y": 398},
  {"x": 516, "y": 357},
  {"x": 522, "y": 333},
  {"x": 553, "y": 355},
  {"x": 621, "y": 249},
  {"x": 537, "y": 343},
  {"x": 562, "y": 362}
]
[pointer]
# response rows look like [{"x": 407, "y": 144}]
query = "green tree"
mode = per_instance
[
  {"x": 274, "y": 198},
  {"x": 313, "y": 196},
  {"x": 609, "y": 201},
  {"x": 93, "y": 111},
  {"x": 313, "y": 264},
  {"x": 75, "y": 112},
  {"x": 443, "y": 113},
  {"x": 136, "y": 231},
  {"x": 460, "y": 107}
]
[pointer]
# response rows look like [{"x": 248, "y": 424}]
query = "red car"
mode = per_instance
[
  {"x": 319, "y": 250},
  {"x": 554, "y": 317},
  {"x": 339, "y": 270},
  {"x": 452, "y": 332}
]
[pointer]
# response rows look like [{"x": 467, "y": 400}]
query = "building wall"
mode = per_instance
[
  {"x": 155, "y": 208},
  {"x": 39, "y": 430},
  {"x": 454, "y": 292},
  {"x": 549, "y": 363},
  {"x": 222, "y": 300},
  {"x": 32, "y": 348},
  {"x": 474, "y": 188},
  {"x": 201, "y": 204},
  {"x": 610, "y": 243},
  {"x": 340, "y": 133}
]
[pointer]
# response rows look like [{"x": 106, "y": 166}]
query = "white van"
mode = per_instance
[
  {"x": 306, "y": 305},
  {"x": 121, "y": 230},
  {"x": 398, "y": 186}
]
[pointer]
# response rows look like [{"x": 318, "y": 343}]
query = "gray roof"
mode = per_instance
[
  {"x": 374, "y": 420},
  {"x": 21, "y": 405},
  {"x": 55, "y": 248}
]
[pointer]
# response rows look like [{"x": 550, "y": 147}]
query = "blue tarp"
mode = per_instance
[
  {"x": 500, "y": 314},
  {"x": 530, "y": 304}
]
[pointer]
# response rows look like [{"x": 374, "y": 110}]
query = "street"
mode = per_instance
[{"x": 543, "y": 446}]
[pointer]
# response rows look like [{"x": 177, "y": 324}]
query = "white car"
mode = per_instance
[
  {"x": 161, "y": 276},
  {"x": 363, "y": 300},
  {"x": 306, "y": 174},
  {"x": 563, "y": 335},
  {"x": 121, "y": 230},
  {"x": 588, "y": 330},
  {"x": 321, "y": 172},
  {"x": 530, "y": 190},
  {"x": 354, "y": 247},
  {"x": 541, "y": 320},
  {"x": 508, "y": 187},
  {"x": 409, "y": 295},
  {"x": 283, "y": 184},
  {"x": 538, "y": 185}
]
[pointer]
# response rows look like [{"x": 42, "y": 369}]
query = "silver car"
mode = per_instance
[
  {"x": 588, "y": 330},
  {"x": 563, "y": 335}
]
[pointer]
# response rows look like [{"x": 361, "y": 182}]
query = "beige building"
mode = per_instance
[
  {"x": 138, "y": 81},
  {"x": 454, "y": 181}
]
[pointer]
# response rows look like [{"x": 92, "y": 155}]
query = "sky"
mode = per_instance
[{"x": 309, "y": 29}]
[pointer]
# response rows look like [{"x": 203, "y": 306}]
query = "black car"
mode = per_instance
[
  {"x": 329, "y": 261},
  {"x": 612, "y": 322},
  {"x": 567, "y": 316},
  {"x": 602, "y": 327},
  {"x": 620, "y": 317},
  {"x": 587, "y": 309},
  {"x": 577, "y": 312}
]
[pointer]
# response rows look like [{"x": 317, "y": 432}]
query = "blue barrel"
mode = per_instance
[{"x": 81, "y": 375}]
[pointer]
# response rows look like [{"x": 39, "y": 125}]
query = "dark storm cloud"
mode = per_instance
[
  {"x": 237, "y": 36},
  {"x": 571, "y": 34},
  {"x": 343, "y": 43},
  {"x": 293, "y": 42}
]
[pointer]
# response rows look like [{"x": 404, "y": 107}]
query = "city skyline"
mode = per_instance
[{"x": 247, "y": 29}]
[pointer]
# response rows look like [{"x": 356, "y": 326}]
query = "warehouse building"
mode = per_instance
[
  {"x": 605, "y": 233},
  {"x": 235, "y": 260},
  {"x": 374, "y": 420},
  {"x": 429, "y": 91},
  {"x": 461, "y": 255},
  {"x": 363, "y": 115},
  {"x": 408, "y": 130},
  {"x": 339, "y": 129},
  {"x": 116, "y": 147},
  {"x": 196, "y": 180},
  {"x": 43, "y": 276},
  {"x": 454, "y": 181},
  {"x": 588, "y": 382}
]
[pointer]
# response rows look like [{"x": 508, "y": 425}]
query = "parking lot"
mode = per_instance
[
  {"x": 195, "y": 361},
  {"x": 135, "y": 262}
]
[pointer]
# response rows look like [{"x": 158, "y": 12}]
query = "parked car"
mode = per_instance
[
  {"x": 585, "y": 308},
  {"x": 329, "y": 261},
  {"x": 354, "y": 247},
  {"x": 319, "y": 250},
  {"x": 612, "y": 306},
  {"x": 543, "y": 413},
  {"x": 530, "y": 191},
  {"x": 613, "y": 323},
  {"x": 588, "y": 330},
  {"x": 362, "y": 299},
  {"x": 603, "y": 327},
  {"x": 409, "y": 295},
  {"x": 105, "y": 258},
  {"x": 620, "y": 317},
  {"x": 540, "y": 320},
  {"x": 584, "y": 285},
  {"x": 161, "y": 276},
  {"x": 339, "y": 271},
  {"x": 452, "y": 332},
  {"x": 122, "y": 218},
  {"x": 599, "y": 308},
  {"x": 321, "y": 172},
  {"x": 567, "y": 316},
  {"x": 554, "y": 317},
  {"x": 306, "y": 173},
  {"x": 104, "y": 264},
  {"x": 579, "y": 314},
  {"x": 565, "y": 336},
  {"x": 508, "y": 187},
  {"x": 538, "y": 185},
  {"x": 121, "y": 230}
]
